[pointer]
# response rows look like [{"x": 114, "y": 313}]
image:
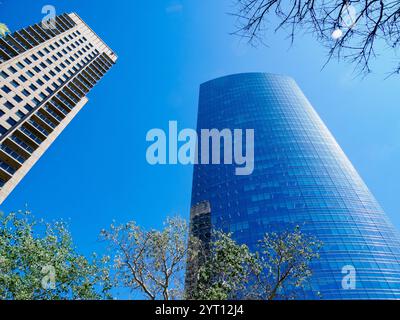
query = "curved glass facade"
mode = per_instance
[{"x": 301, "y": 177}]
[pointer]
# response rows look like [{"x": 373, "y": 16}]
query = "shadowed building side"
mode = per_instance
[{"x": 200, "y": 230}]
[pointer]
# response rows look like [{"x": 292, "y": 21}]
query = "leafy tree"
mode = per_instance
[
  {"x": 3, "y": 30},
  {"x": 285, "y": 260},
  {"x": 226, "y": 271},
  {"x": 278, "y": 271},
  {"x": 351, "y": 29},
  {"x": 38, "y": 261},
  {"x": 150, "y": 262}
]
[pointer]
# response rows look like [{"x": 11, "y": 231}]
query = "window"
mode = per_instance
[
  {"x": 30, "y": 73},
  {"x": 2, "y": 130},
  {"x": 15, "y": 84},
  {"x": 46, "y": 77},
  {"x": 6, "y": 89},
  {"x": 35, "y": 58},
  {"x": 20, "y": 114},
  {"x": 3, "y": 74},
  {"x": 18, "y": 98},
  {"x": 35, "y": 101},
  {"x": 27, "y": 61},
  {"x": 20, "y": 65},
  {"x": 11, "y": 122},
  {"x": 33, "y": 87},
  {"x": 2, "y": 113},
  {"x": 26, "y": 93},
  {"x": 40, "y": 82},
  {"x": 23, "y": 78},
  {"x": 9, "y": 105},
  {"x": 37, "y": 69},
  {"x": 28, "y": 107},
  {"x": 12, "y": 69}
]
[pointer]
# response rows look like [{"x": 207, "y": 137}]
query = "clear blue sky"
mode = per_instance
[{"x": 96, "y": 171}]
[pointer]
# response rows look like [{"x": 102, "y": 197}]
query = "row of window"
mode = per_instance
[
  {"x": 25, "y": 39},
  {"x": 44, "y": 65},
  {"x": 36, "y": 101},
  {"x": 48, "y": 62},
  {"x": 30, "y": 74},
  {"x": 36, "y": 129},
  {"x": 48, "y": 91}
]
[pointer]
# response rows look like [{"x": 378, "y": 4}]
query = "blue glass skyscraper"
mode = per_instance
[{"x": 301, "y": 178}]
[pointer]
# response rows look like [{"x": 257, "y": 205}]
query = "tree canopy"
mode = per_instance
[
  {"x": 280, "y": 269},
  {"x": 150, "y": 262},
  {"x": 38, "y": 261}
]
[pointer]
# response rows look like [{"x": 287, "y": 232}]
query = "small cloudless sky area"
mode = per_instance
[{"x": 97, "y": 172}]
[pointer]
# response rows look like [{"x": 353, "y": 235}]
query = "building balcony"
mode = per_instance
[
  {"x": 59, "y": 100},
  {"x": 20, "y": 145},
  {"x": 52, "y": 105},
  {"x": 35, "y": 34},
  {"x": 31, "y": 37},
  {"x": 10, "y": 156},
  {"x": 80, "y": 86},
  {"x": 4, "y": 55},
  {"x": 37, "y": 129},
  {"x": 11, "y": 51},
  {"x": 25, "y": 45},
  {"x": 29, "y": 137},
  {"x": 43, "y": 121},
  {"x": 7, "y": 168},
  {"x": 52, "y": 115},
  {"x": 4, "y": 175}
]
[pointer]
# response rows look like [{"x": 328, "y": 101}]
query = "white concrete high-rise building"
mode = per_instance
[{"x": 45, "y": 75}]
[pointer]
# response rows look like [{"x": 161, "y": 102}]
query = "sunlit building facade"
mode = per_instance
[
  {"x": 301, "y": 178},
  {"x": 46, "y": 71}
]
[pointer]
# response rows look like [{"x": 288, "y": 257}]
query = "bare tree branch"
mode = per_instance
[
  {"x": 350, "y": 29},
  {"x": 151, "y": 262}
]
